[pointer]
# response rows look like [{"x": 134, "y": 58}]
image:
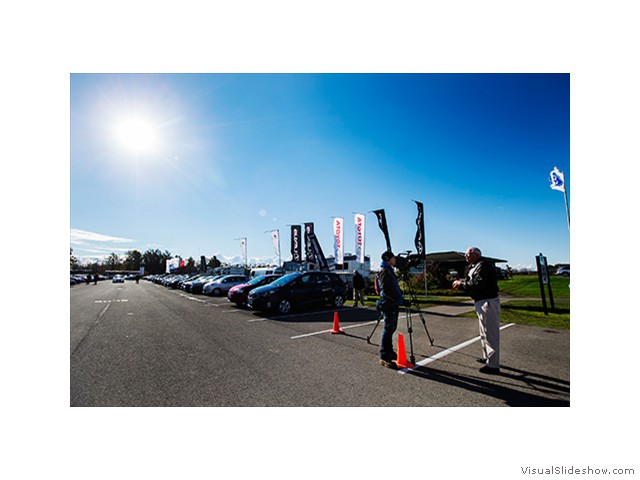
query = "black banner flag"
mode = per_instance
[
  {"x": 317, "y": 251},
  {"x": 309, "y": 256},
  {"x": 382, "y": 223},
  {"x": 296, "y": 245},
  {"x": 420, "y": 241}
]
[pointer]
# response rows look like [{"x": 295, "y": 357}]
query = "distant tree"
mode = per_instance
[
  {"x": 190, "y": 265},
  {"x": 437, "y": 276},
  {"x": 155, "y": 261},
  {"x": 214, "y": 262},
  {"x": 133, "y": 260},
  {"x": 113, "y": 262},
  {"x": 73, "y": 261}
]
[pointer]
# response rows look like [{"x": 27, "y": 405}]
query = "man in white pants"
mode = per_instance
[{"x": 482, "y": 285}]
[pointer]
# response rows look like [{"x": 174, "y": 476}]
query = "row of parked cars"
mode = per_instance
[{"x": 272, "y": 292}]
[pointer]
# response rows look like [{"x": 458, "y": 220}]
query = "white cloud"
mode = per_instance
[{"x": 81, "y": 237}]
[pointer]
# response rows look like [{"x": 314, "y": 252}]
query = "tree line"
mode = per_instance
[{"x": 153, "y": 260}]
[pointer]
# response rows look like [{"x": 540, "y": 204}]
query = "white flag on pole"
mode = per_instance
[
  {"x": 338, "y": 240},
  {"x": 243, "y": 247},
  {"x": 359, "y": 224},
  {"x": 556, "y": 178},
  {"x": 275, "y": 236}
]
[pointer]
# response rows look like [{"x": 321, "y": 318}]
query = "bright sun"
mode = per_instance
[{"x": 136, "y": 134}]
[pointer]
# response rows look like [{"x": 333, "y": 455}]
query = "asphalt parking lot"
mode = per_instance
[{"x": 147, "y": 345}]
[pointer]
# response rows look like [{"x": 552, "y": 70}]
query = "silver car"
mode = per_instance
[{"x": 221, "y": 286}]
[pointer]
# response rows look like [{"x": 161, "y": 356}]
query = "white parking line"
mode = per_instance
[
  {"x": 329, "y": 313},
  {"x": 446, "y": 352},
  {"x": 327, "y": 331}
]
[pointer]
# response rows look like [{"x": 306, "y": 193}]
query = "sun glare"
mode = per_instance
[{"x": 136, "y": 134}]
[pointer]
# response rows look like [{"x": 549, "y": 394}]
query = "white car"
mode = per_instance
[
  {"x": 118, "y": 279},
  {"x": 222, "y": 285}
]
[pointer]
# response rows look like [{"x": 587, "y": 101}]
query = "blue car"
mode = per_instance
[{"x": 299, "y": 289}]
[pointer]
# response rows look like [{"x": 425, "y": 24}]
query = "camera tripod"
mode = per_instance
[{"x": 408, "y": 317}]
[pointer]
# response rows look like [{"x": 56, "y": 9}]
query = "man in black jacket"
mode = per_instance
[
  {"x": 481, "y": 284},
  {"x": 358, "y": 288},
  {"x": 389, "y": 305}
]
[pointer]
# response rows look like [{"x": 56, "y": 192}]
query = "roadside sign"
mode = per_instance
[
  {"x": 544, "y": 271},
  {"x": 543, "y": 278}
]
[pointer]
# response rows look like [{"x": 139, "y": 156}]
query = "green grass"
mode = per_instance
[
  {"x": 531, "y": 312},
  {"x": 528, "y": 286},
  {"x": 522, "y": 312}
]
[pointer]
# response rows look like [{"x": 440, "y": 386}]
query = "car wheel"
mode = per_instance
[
  {"x": 217, "y": 292},
  {"x": 338, "y": 301},
  {"x": 284, "y": 306}
]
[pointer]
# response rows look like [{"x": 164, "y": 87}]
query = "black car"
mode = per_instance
[{"x": 297, "y": 290}]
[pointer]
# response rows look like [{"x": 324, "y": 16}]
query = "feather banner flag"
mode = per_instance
[
  {"x": 556, "y": 177},
  {"x": 382, "y": 223},
  {"x": 338, "y": 240},
  {"x": 359, "y": 224}
]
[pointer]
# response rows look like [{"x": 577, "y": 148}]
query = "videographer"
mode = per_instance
[
  {"x": 481, "y": 284},
  {"x": 389, "y": 305}
]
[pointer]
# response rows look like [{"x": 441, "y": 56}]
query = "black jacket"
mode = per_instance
[
  {"x": 358, "y": 281},
  {"x": 388, "y": 285},
  {"x": 482, "y": 281}
]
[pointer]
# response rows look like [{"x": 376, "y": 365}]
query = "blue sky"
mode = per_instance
[{"x": 237, "y": 155}]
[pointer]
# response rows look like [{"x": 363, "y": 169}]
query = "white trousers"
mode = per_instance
[{"x": 489, "y": 322}]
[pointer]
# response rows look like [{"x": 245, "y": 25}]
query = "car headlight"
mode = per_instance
[{"x": 259, "y": 294}]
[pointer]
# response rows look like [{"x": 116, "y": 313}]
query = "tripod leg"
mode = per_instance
[
  {"x": 424, "y": 322},
  {"x": 374, "y": 329},
  {"x": 412, "y": 357}
]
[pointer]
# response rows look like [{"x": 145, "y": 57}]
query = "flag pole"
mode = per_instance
[
  {"x": 279, "y": 251},
  {"x": 566, "y": 206}
]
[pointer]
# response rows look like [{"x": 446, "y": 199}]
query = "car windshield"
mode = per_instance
[
  {"x": 257, "y": 280},
  {"x": 286, "y": 279}
]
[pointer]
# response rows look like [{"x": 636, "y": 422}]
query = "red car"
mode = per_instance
[{"x": 239, "y": 293}]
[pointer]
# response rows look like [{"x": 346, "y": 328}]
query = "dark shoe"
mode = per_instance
[
  {"x": 490, "y": 371},
  {"x": 388, "y": 364},
  {"x": 481, "y": 360}
]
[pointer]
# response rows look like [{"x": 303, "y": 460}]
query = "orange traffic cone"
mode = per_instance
[
  {"x": 402, "y": 354},
  {"x": 336, "y": 324}
]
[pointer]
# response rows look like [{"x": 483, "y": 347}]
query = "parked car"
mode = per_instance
[
  {"x": 186, "y": 279},
  {"x": 297, "y": 290},
  {"x": 258, "y": 272},
  {"x": 174, "y": 282},
  {"x": 198, "y": 285},
  {"x": 240, "y": 293},
  {"x": 118, "y": 279},
  {"x": 221, "y": 286},
  {"x": 564, "y": 271},
  {"x": 186, "y": 284}
]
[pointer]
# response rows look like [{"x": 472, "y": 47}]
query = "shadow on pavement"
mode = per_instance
[{"x": 492, "y": 386}]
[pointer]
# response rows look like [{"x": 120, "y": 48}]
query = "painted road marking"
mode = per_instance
[
  {"x": 189, "y": 297},
  {"x": 448, "y": 351},
  {"x": 341, "y": 327},
  {"x": 112, "y": 301}
]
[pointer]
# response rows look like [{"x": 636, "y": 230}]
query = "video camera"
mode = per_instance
[{"x": 404, "y": 261}]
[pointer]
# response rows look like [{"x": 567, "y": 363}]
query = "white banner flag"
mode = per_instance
[
  {"x": 275, "y": 236},
  {"x": 243, "y": 247},
  {"x": 359, "y": 224},
  {"x": 173, "y": 264},
  {"x": 556, "y": 178},
  {"x": 338, "y": 240}
]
